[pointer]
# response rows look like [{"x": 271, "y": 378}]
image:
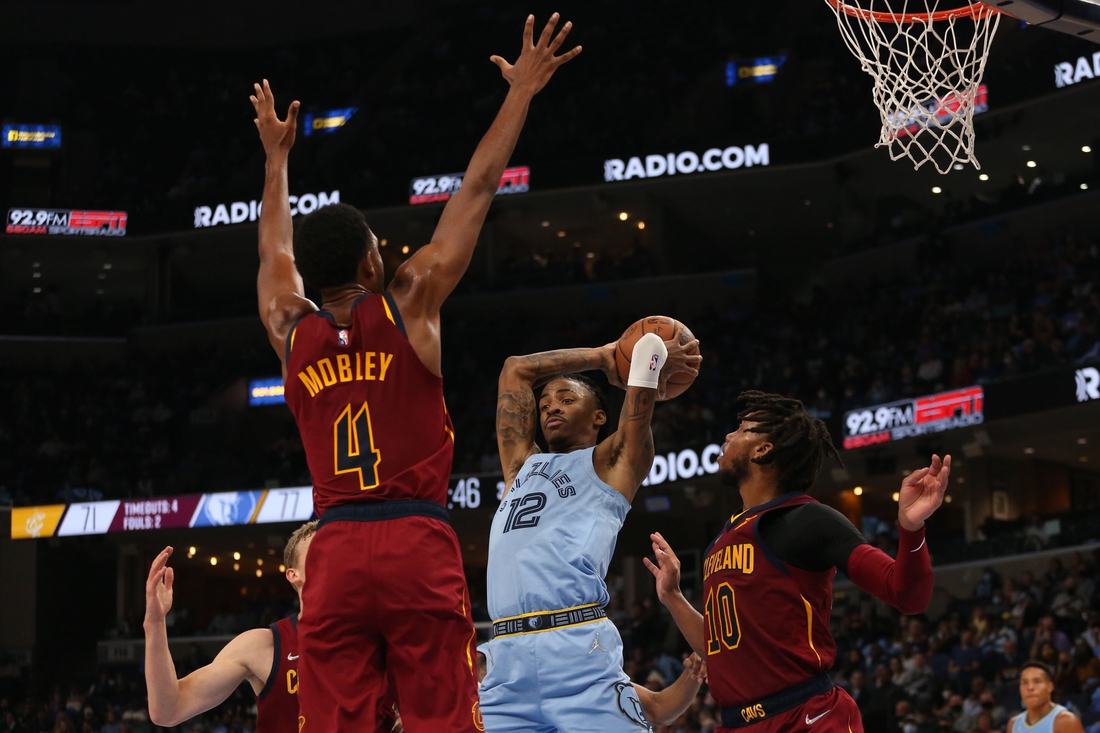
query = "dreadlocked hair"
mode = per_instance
[{"x": 800, "y": 441}]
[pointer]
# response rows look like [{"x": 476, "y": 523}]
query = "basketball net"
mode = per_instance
[{"x": 927, "y": 65}]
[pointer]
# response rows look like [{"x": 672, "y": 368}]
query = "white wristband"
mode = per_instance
[{"x": 646, "y": 362}]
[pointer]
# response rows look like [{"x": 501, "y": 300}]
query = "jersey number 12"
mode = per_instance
[{"x": 354, "y": 447}]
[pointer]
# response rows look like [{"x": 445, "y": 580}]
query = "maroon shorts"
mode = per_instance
[
  {"x": 833, "y": 712},
  {"x": 387, "y": 598}
]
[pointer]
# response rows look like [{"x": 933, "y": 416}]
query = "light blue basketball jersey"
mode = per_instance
[
  {"x": 553, "y": 536},
  {"x": 1043, "y": 725}
]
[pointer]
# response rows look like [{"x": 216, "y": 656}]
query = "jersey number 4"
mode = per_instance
[
  {"x": 354, "y": 447},
  {"x": 722, "y": 625}
]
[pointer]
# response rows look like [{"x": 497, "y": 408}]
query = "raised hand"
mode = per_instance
[
  {"x": 276, "y": 135},
  {"x": 537, "y": 62},
  {"x": 679, "y": 361},
  {"x": 667, "y": 569},
  {"x": 696, "y": 667},
  {"x": 158, "y": 588},
  {"x": 922, "y": 493}
]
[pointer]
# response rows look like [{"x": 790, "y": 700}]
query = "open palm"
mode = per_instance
[
  {"x": 922, "y": 493},
  {"x": 158, "y": 587}
]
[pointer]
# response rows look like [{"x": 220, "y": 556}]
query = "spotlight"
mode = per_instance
[
  {"x": 641, "y": 225},
  {"x": 236, "y": 556},
  {"x": 937, "y": 189},
  {"x": 983, "y": 177},
  {"x": 213, "y": 561},
  {"x": 1086, "y": 149},
  {"x": 405, "y": 250},
  {"x": 1031, "y": 164},
  {"x": 259, "y": 573},
  {"x": 896, "y": 496},
  {"x": 858, "y": 491},
  {"x": 623, "y": 216}
]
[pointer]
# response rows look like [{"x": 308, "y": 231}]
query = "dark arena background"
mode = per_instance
[{"x": 713, "y": 162}]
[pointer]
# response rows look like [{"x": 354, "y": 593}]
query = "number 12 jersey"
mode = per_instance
[
  {"x": 372, "y": 417},
  {"x": 553, "y": 536}
]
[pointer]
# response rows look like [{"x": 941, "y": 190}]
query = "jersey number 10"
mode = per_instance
[
  {"x": 723, "y": 627},
  {"x": 354, "y": 447}
]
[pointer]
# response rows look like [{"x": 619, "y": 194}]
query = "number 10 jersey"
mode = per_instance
[
  {"x": 372, "y": 418},
  {"x": 553, "y": 536}
]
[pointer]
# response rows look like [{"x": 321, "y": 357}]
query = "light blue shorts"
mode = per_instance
[{"x": 567, "y": 680}]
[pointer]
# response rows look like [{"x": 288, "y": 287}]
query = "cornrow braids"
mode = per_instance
[{"x": 800, "y": 441}]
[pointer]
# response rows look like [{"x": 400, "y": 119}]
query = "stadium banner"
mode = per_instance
[
  {"x": 669, "y": 164},
  {"x": 66, "y": 222},
  {"x": 1050, "y": 390},
  {"x": 30, "y": 136},
  {"x": 753, "y": 71},
  {"x": 1068, "y": 73},
  {"x": 433, "y": 189},
  {"x": 323, "y": 123},
  {"x": 266, "y": 392},
  {"x": 912, "y": 417},
  {"x": 239, "y": 212}
]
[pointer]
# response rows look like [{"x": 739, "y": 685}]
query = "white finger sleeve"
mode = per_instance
[{"x": 646, "y": 362}]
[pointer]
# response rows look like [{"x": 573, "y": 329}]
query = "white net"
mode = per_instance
[{"x": 927, "y": 65}]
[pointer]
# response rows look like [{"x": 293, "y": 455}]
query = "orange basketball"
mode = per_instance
[{"x": 668, "y": 329}]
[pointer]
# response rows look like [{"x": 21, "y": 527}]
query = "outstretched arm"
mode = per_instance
[
  {"x": 623, "y": 460},
  {"x": 667, "y": 573},
  {"x": 905, "y": 583},
  {"x": 281, "y": 294},
  {"x": 172, "y": 701},
  {"x": 428, "y": 277},
  {"x": 517, "y": 410},
  {"x": 664, "y": 707}
]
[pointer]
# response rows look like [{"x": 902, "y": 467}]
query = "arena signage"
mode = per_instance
[
  {"x": 30, "y": 136},
  {"x": 242, "y": 211},
  {"x": 908, "y": 418},
  {"x": 66, "y": 222},
  {"x": 266, "y": 392},
  {"x": 1088, "y": 384},
  {"x": 939, "y": 111},
  {"x": 755, "y": 71},
  {"x": 432, "y": 189},
  {"x": 1066, "y": 73},
  {"x": 714, "y": 159},
  {"x": 326, "y": 122}
]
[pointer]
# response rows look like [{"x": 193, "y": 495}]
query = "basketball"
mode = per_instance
[{"x": 668, "y": 329}]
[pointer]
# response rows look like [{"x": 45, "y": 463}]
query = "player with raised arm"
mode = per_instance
[
  {"x": 555, "y": 661},
  {"x": 265, "y": 658},
  {"x": 768, "y": 577},
  {"x": 1041, "y": 714},
  {"x": 387, "y": 592}
]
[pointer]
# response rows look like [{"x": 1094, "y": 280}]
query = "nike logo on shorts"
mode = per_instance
[
  {"x": 811, "y": 721},
  {"x": 291, "y": 657}
]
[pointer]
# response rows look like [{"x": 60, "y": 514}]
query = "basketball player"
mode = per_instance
[
  {"x": 1041, "y": 715},
  {"x": 767, "y": 578},
  {"x": 265, "y": 658},
  {"x": 555, "y": 661},
  {"x": 387, "y": 591}
]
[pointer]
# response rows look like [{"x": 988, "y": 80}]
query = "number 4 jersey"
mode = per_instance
[
  {"x": 553, "y": 536},
  {"x": 371, "y": 415},
  {"x": 766, "y": 622}
]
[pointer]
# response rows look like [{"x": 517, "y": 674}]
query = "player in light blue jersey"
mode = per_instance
[
  {"x": 1041, "y": 714},
  {"x": 555, "y": 662}
]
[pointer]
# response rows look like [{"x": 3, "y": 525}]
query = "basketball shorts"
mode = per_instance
[
  {"x": 833, "y": 712},
  {"x": 386, "y": 597},
  {"x": 563, "y": 680}
]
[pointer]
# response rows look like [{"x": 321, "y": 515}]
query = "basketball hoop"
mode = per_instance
[{"x": 927, "y": 66}]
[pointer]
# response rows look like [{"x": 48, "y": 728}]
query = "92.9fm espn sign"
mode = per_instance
[
  {"x": 66, "y": 222},
  {"x": 918, "y": 416}
]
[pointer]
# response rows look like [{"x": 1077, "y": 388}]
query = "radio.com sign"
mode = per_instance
[
  {"x": 242, "y": 211},
  {"x": 1067, "y": 74},
  {"x": 714, "y": 159}
]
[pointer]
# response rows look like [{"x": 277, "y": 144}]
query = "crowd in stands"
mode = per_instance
[{"x": 142, "y": 429}]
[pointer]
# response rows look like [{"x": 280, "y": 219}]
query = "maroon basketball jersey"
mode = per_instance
[
  {"x": 766, "y": 623},
  {"x": 277, "y": 703},
  {"x": 372, "y": 417}
]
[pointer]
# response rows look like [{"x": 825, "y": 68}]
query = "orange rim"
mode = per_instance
[{"x": 978, "y": 10}]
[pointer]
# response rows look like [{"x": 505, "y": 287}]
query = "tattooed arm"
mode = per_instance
[
  {"x": 623, "y": 459},
  {"x": 517, "y": 409}
]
